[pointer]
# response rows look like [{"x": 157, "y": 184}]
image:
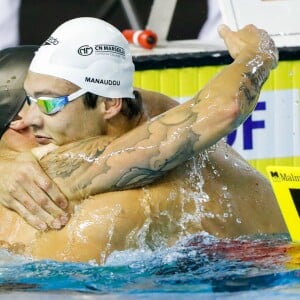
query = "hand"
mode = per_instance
[
  {"x": 27, "y": 190},
  {"x": 249, "y": 39}
]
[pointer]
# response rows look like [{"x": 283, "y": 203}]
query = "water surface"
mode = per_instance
[{"x": 258, "y": 267}]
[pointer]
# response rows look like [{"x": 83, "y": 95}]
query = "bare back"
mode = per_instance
[{"x": 218, "y": 192}]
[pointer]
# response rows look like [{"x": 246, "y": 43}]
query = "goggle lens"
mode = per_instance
[
  {"x": 47, "y": 105},
  {"x": 52, "y": 105}
]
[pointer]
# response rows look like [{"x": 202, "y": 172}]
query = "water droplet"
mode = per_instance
[{"x": 227, "y": 195}]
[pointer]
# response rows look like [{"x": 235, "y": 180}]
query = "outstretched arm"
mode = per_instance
[
  {"x": 139, "y": 157},
  {"x": 150, "y": 150}
]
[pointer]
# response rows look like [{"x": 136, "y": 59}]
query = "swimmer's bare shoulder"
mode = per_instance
[
  {"x": 150, "y": 150},
  {"x": 155, "y": 103},
  {"x": 58, "y": 167}
]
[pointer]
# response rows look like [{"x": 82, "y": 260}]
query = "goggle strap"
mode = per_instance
[{"x": 76, "y": 94}]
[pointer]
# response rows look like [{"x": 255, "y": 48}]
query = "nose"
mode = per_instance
[
  {"x": 18, "y": 124},
  {"x": 33, "y": 116}
]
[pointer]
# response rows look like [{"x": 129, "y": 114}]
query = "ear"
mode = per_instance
[{"x": 112, "y": 107}]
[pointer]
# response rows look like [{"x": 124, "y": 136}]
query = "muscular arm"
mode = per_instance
[{"x": 147, "y": 152}]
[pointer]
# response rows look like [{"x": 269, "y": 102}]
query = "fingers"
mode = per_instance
[
  {"x": 47, "y": 204},
  {"x": 39, "y": 186},
  {"x": 231, "y": 39},
  {"x": 27, "y": 216},
  {"x": 224, "y": 30},
  {"x": 35, "y": 220},
  {"x": 32, "y": 193},
  {"x": 32, "y": 204},
  {"x": 248, "y": 39},
  {"x": 45, "y": 187}
]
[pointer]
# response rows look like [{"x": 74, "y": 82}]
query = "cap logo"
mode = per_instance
[
  {"x": 102, "y": 49},
  {"x": 113, "y": 49},
  {"x": 85, "y": 50},
  {"x": 51, "y": 41}
]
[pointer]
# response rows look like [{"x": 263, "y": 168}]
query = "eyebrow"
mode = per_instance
[{"x": 46, "y": 93}]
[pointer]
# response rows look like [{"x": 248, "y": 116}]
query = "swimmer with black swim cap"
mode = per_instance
[{"x": 14, "y": 63}]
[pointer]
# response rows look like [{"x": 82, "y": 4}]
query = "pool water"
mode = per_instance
[{"x": 259, "y": 267}]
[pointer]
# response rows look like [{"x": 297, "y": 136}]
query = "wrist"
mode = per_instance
[{"x": 262, "y": 56}]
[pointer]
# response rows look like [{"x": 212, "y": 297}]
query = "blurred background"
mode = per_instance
[
  {"x": 181, "y": 76},
  {"x": 37, "y": 19}
]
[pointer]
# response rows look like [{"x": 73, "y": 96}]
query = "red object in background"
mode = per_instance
[{"x": 144, "y": 38}]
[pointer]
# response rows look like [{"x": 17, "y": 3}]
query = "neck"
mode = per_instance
[{"x": 120, "y": 124}]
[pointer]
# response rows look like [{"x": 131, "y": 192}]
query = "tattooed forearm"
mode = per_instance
[
  {"x": 251, "y": 88},
  {"x": 135, "y": 178},
  {"x": 256, "y": 81},
  {"x": 147, "y": 152},
  {"x": 69, "y": 158},
  {"x": 134, "y": 160}
]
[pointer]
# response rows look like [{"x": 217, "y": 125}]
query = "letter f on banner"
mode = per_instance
[{"x": 248, "y": 127}]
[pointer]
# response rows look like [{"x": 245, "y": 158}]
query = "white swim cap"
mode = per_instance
[{"x": 90, "y": 53}]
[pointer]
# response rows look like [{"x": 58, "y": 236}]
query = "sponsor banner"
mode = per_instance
[
  {"x": 285, "y": 182},
  {"x": 272, "y": 130}
]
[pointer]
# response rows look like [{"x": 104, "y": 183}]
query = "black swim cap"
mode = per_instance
[{"x": 14, "y": 63}]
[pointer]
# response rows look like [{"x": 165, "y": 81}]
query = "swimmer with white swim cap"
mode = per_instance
[{"x": 126, "y": 150}]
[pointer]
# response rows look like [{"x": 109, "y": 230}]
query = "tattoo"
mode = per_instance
[
  {"x": 248, "y": 94},
  {"x": 151, "y": 150},
  {"x": 67, "y": 159},
  {"x": 87, "y": 161},
  {"x": 136, "y": 177},
  {"x": 256, "y": 78}
]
